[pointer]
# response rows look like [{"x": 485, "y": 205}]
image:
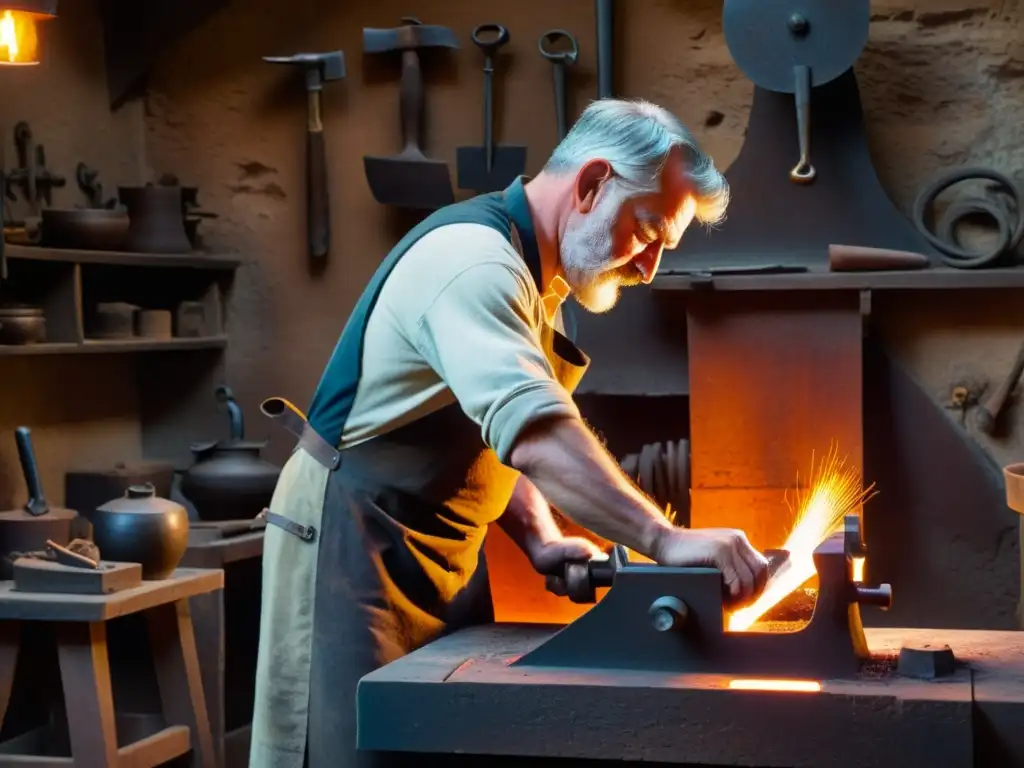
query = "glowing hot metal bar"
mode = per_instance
[{"x": 796, "y": 686}]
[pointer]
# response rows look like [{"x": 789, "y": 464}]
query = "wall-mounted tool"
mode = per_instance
[
  {"x": 409, "y": 179},
  {"x": 562, "y": 50},
  {"x": 319, "y": 68},
  {"x": 35, "y": 180},
  {"x": 771, "y": 216},
  {"x": 1002, "y": 203},
  {"x": 986, "y": 416},
  {"x": 490, "y": 168},
  {"x": 604, "y": 17},
  {"x": 790, "y": 51},
  {"x": 88, "y": 181}
]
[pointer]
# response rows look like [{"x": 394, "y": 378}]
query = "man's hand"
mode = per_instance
[
  {"x": 549, "y": 559},
  {"x": 744, "y": 569}
]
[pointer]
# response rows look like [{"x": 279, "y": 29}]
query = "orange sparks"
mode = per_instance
[
  {"x": 796, "y": 686},
  {"x": 834, "y": 492}
]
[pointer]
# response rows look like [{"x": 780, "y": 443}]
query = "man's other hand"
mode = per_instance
[
  {"x": 550, "y": 559},
  {"x": 744, "y": 569}
]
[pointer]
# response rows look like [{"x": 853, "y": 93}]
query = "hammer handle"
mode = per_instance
[
  {"x": 318, "y": 204},
  {"x": 411, "y": 100}
]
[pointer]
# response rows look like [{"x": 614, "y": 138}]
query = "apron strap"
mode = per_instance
[
  {"x": 294, "y": 421},
  {"x": 304, "y": 532}
]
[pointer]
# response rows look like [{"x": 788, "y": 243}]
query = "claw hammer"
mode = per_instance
[{"x": 319, "y": 69}]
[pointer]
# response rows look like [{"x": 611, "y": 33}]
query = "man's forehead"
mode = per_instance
[{"x": 670, "y": 216}]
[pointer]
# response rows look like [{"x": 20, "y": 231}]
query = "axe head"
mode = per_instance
[{"x": 320, "y": 67}]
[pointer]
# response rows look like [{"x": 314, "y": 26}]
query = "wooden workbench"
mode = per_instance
[{"x": 80, "y": 622}]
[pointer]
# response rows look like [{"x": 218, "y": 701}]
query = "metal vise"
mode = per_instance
[{"x": 672, "y": 620}]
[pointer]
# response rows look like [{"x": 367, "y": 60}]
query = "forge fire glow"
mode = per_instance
[
  {"x": 834, "y": 491},
  {"x": 796, "y": 686}
]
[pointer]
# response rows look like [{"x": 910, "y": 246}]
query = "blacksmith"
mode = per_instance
[{"x": 447, "y": 407}]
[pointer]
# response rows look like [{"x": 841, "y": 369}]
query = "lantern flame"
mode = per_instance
[{"x": 19, "y": 44}]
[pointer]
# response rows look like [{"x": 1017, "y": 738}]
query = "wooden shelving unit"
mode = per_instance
[
  {"x": 123, "y": 258},
  {"x": 68, "y": 283},
  {"x": 103, "y": 346}
]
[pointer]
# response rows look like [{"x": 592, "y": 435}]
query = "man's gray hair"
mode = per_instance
[{"x": 636, "y": 138}]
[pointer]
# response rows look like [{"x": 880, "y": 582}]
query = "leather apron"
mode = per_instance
[{"x": 375, "y": 550}]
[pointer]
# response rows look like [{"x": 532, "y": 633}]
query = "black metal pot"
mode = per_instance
[
  {"x": 229, "y": 480},
  {"x": 141, "y": 528}
]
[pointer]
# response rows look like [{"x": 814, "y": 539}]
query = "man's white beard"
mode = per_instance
[{"x": 586, "y": 253}]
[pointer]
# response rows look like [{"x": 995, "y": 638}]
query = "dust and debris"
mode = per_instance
[{"x": 879, "y": 666}]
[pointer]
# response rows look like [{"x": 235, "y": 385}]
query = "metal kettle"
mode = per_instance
[{"x": 229, "y": 480}]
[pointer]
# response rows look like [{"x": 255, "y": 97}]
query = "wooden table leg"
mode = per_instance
[
  {"x": 208, "y": 625},
  {"x": 177, "y": 669},
  {"x": 10, "y": 638},
  {"x": 88, "y": 695}
]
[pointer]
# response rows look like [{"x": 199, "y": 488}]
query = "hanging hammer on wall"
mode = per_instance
[{"x": 319, "y": 68}]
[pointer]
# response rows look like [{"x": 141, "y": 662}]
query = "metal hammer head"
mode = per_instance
[
  {"x": 412, "y": 35},
  {"x": 320, "y": 67}
]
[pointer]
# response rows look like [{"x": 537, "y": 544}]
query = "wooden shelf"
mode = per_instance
[
  {"x": 105, "y": 346},
  {"x": 934, "y": 278},
  {"x": 123, "y": 258}
]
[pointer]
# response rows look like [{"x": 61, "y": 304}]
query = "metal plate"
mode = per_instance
[{"x": 760, "y": 40}]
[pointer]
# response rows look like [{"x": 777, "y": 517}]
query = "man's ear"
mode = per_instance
[{"x": 589, "y": 180}]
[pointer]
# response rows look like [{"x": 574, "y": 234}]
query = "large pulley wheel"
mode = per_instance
[
  {"x": 791, "y": 46},
  {"x": 769, "y": 38}
]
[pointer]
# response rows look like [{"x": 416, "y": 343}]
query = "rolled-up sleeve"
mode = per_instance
[{"x": 481, "y": 334}]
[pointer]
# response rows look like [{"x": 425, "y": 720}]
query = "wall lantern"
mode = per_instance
[{"x": 19, "y": 39}]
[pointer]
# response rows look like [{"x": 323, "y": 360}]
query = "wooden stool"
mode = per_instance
[
  {"x": 217, "y": 626},
  {"x": 80, "y": 622}
]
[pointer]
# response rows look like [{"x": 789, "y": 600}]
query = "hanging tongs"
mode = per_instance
[{"x": 803, "y": 172}]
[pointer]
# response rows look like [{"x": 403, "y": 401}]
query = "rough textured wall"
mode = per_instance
[
  {"x": 78, "y": 407},
  {"x": 942, "y": 82}
]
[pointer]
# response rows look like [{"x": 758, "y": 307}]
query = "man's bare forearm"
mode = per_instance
[
  {"x": 527, "y": 519},
  {"x": 575, "y": 473}
]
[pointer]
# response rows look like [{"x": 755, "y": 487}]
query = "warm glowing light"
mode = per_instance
[
  {"x": 18, "y": 41},
  {"x": 796, "y": 686},
  {"x": 858, "y": 570},
  {"x": 834, "y": 492}
]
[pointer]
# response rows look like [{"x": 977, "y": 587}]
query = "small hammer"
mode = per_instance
[
  {"x": 986, "y": 415},
  {"x": 320, "y": 68}
]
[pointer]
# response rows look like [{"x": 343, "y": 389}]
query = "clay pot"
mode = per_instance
[
  {"x": 1014, "y": 475},
  {"x": 91, "y": 229},
  {"x": 141, "y": 528},
  {"x": 22, "y": 325},
  {"x": 229, "y": 480}
]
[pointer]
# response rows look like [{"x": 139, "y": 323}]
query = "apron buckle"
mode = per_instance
[{"x": 304, "y": 532}]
